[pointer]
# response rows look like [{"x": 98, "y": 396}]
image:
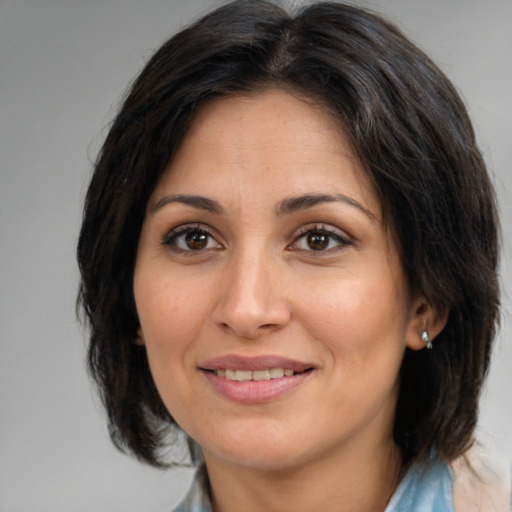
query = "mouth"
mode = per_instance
[
  {"x": 255, "y": 380},
  {"x": 256, "y": 375}
]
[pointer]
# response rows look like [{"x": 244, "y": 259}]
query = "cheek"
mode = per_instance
[
  {"x": 170, "y": 312},
  {"x": 356, "y": 317},
  {"x": 361, "y": 327},
  {"x": 171, "y": 315}
]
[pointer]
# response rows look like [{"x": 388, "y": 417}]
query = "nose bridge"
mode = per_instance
[{"x": 252, "y": 300}]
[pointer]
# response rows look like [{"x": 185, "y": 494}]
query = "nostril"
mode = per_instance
[{"x": 250, "y": 319}]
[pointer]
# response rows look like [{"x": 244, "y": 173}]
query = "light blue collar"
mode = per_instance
[{"x": 426, "y": 487}]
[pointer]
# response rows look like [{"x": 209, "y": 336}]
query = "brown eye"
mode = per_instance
[
  {"x": 190, "y": 239},
  {"x": 321, "y": 238},
  {"x": 196, "y": 240},
  {"x": 318, "y": 241}
]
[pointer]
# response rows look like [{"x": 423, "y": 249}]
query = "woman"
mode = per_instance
[{"x": 289, "y": 253}]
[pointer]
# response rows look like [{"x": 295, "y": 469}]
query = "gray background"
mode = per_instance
[{"x": 63, "y": 67}]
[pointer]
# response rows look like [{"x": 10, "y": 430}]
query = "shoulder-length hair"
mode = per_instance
[{"x": 411, "y": 132}]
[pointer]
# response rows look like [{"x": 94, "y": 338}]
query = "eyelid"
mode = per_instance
[
  {"x": 183, "y": 229},
  {"x": 320, "y": 227},
  {"x": 342, "y": 238}
]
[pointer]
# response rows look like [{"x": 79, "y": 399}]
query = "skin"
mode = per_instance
[{"x": 261, "y": 285}]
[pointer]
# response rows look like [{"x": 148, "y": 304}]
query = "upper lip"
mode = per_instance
[{"x": 254, "y": 363}]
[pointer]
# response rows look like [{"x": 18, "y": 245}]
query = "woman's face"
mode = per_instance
[{"x": 272, "y": 302}]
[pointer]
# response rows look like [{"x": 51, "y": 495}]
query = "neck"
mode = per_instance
[{"x": 354, "y": 479}]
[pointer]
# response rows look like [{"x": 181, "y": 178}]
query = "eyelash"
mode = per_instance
[
  {"x": 172, "y": 239},
  {"x": 332, "y": 234}
]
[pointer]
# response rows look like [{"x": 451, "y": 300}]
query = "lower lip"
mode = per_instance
[{"x": 252, "y": 391}]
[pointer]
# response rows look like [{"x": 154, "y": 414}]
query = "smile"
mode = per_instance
[
  {"x": 255, "y": 380},
  {"x": 257, "y": 375}
]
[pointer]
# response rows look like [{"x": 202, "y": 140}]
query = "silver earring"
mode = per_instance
[{"x": 426, "y": 338}]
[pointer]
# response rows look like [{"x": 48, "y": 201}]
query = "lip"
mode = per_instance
[
  {"x": 236, "y": 362},
  {"x": 254, "y": 392}
]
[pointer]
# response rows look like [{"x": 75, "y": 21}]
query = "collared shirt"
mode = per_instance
[{"x": 426, "y": 487}]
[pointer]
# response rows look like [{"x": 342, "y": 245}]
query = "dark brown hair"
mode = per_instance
[{"x": 411, "y": 132}]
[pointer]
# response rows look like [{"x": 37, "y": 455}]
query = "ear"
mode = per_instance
[
  {"x": 424, "y": 317},
  {"x": 139, "y": 340}
]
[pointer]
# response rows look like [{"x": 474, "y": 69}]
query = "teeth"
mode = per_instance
[
  {"x": 257, "y": 375},
  {"x": 243, "y": 375},
  {"x": 261, "y": 375},
  {"x": 276, "y": 373}
]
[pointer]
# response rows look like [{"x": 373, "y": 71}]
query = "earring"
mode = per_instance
[{"x": 426, "y": 338}]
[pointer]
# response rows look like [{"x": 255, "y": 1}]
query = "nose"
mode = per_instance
[{"x": 252, "y": 299}]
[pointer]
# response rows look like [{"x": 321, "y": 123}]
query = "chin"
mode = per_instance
[
  {"x": 264, "y": 460},
  {"x": 268, "y": 451}
]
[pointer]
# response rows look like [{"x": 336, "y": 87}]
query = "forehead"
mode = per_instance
[
  {"x": 268, "y": 118},
  {"x": 270, "y": 142}
]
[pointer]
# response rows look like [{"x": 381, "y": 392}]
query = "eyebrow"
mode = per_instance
[
  {"x": 284, "y": 207},
  {"x": 200, "y": 202},
  {"x": 305, "y": 201}
]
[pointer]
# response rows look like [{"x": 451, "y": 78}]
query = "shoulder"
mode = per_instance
[
  {"x": 480, "y": 484},
  {"x": 473, "y": 483},
  {"x": 426, "y": 487}
]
